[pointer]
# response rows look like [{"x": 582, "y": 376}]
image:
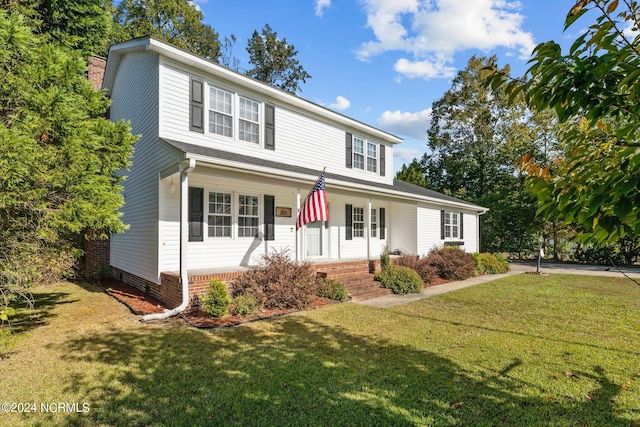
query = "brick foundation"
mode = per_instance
[{"x": 96, "y": 257}]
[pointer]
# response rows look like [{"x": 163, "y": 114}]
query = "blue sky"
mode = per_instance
[{"x": 384, "y": 62}]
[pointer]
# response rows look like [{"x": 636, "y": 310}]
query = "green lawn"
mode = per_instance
[{"x": 521, "y": 351}]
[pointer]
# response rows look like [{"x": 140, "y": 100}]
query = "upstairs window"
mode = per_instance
[
  {"x": 358, "y": 153},
  {"x": 372, "y": 157},
  {"x": 221, "y": 112},
  {"x": 249, "y": 126}
]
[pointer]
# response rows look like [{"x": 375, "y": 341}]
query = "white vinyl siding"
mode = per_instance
[
  {"x": 135, "y": 99},
  {"x": 401, "y": 221},
  {"x": 427, "y": 229},
  {"x": 302, "y": 139}
]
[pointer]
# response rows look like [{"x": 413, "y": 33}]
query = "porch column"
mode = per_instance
[
  {"x": 295, "y": 217},
  {"x": 368, "y": 230}
]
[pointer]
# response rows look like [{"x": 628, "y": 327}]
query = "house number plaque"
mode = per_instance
[{"x": 283, "y": 212}]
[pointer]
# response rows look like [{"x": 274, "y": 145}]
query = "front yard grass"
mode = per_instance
[{"x": 524, "y": 350}]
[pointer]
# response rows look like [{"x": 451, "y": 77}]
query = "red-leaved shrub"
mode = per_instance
[
  {"x": 278, "y": 282},
  {"x": 451, "y": 263},
  {"x": 420, "y": 265}
]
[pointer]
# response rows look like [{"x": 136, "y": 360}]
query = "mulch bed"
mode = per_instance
[
  {"x": 138, "y": 302},
  {"x": 141, "y": 303},
  {"x": 199, "y": 319}
]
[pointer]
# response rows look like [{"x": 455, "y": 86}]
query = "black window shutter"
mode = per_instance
[
  {"x": 196, "y": 105},
  {"x": 383, "y": 225},
  {"x": 442, "y": 225},
  {"x": 269, "y": 217},
  {"x": 348, "y": 139},
  {"x": 270, "y": 127},
  {"x": 461, "y": 227},
  {"x": 349, "y": 222},
  {"x": 382, "y": 160},
  {"x": 196, "y": 214}
]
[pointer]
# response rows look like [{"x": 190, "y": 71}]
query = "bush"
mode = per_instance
[
  {"x": 245, "y": 305},
  {"x": 215, "y": 301},
  {"x": 278, "y": 282},
  {"x": 400, "y": 279},
  {"x": 419, "y": 265},
  {"x": 384, "y": 258},
  {"x": 491, "y": 263},
  {"x": 332, "y": 289},
  {"x": 452, "y": 263}
]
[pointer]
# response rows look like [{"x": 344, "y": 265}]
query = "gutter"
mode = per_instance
[{"x": 184, "y": 240}]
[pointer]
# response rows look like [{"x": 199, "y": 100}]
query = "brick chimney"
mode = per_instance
[{"x": 96, "y": 71}]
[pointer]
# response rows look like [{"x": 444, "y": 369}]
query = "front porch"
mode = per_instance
[{"x": 356, "y": 274}]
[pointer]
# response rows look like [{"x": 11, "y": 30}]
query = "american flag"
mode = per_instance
[{"x": 314, "y": 207}]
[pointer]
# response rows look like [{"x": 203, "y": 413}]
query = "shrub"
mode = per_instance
[
  {"x": 215, "y": 301},
  {"x": 491, "y": 263},
  {"x": 278, "y": 282},
  {"x": 245, "y": 305},
  {"x": 400, "y": 279},
  {"x": 419, "y": 265},
  {"x": 452, "y": 263},
  {"x": 332, "y": 289},
  {"x": 384, "y": 258}
]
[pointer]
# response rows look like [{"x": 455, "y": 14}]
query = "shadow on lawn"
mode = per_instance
[
  {"x": 44, "y": 302},
  {"x": 301, "y": 373}
]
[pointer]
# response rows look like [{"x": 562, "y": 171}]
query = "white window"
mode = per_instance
[
  {"x": 248, "y": 219},
  {"x": 374, "y": 223},
  {"x": 220, "y": 112},
  {"x": 372, "y": 157},
  {"x": 249, "y": 125},
  {"x": 358, "y": 222},
  {"x": 451, "y": 225},
  {"x": 358, "y": 153},
  {"x": 219, "y": 215}
]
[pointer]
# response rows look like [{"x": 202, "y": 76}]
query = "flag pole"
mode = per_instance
[{"x": 314, "y": 184}]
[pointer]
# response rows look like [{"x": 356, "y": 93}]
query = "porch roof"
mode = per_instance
[{"x": 415, "y": 192}]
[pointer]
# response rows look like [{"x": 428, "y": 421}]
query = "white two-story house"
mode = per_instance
[{"x": 224, "y": 162}]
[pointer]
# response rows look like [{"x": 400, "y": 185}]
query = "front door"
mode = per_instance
[{"x": 314, "y": 238}]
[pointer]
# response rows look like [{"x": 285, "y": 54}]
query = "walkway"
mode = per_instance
[{"x": 516, "y": 268}]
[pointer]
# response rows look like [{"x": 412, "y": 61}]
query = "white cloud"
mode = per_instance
[
  {"x": 321, "y": 5},
  {"x": 341, "y": 104},
  {"x": 432, "y": 31},
  {"x": 406, "y": 155},
  {"x": 407, "y": 124}
]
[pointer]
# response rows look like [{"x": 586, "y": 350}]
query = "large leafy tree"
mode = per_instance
[
  {"x": 59, "y": 158},
  {"x": 274, "y": 61},
  {"x": 178, "y": 22},
  {"x": 594, "y": 89},
  {"x": 475, "y": 139}
]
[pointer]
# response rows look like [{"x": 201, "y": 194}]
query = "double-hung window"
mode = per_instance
[
  {"x": 220, "y": 215},
  {"x": 372, "y": 157},
  {"x": 248, "y": 218},
  {"x": 358, "y": 153},
  {"x": 249, "y": 124},
  {"x": 221, "y": 112},
  {"x": 374, "y": 223},
  {"x": 451, "y": 225},
  {"x": 358, "y": 222}
]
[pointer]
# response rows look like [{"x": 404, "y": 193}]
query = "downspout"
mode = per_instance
[{"x": 184, "y": 240}]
